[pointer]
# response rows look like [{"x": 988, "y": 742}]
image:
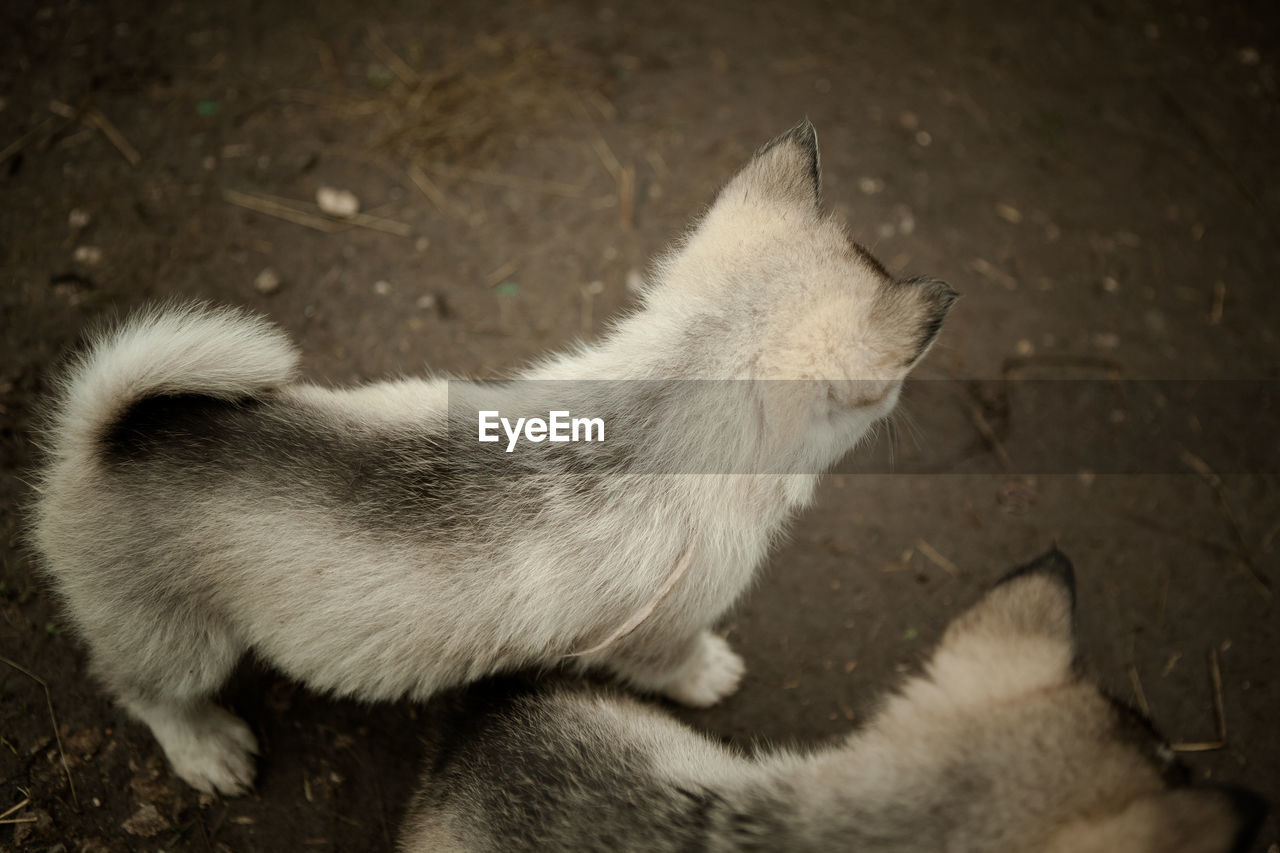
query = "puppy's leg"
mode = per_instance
[
  {"x": 166, "y": 674},
  {"x": 210, "y": 748},
  {"x": 697, "y": 671}
]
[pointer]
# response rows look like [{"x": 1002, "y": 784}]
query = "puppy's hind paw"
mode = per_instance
[{"x": 712, "y": 673}]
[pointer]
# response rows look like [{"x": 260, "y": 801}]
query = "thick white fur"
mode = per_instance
[{"x": 171, "y": 579}]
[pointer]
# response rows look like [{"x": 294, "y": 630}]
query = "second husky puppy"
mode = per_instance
[
  {"x": 199, "y": 502},
  {"x": 999, "y": 746}
]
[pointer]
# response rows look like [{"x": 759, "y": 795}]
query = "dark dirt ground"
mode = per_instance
[{"x": 1097, "y": 181}]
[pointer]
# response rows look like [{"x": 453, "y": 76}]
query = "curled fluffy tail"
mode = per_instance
[{"x": 188, "y": 349}]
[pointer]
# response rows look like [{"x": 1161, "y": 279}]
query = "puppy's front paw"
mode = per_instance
[
  {"x": 212, "y": 749},
  {"x": 711, "y": 673}
]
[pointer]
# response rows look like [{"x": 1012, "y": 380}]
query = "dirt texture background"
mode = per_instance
[{"x": 1097, "y": 180}]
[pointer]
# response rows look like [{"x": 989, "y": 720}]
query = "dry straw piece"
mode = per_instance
[
  {"x": 48, "y": 698},
  {"x": 473, "y": 103}
]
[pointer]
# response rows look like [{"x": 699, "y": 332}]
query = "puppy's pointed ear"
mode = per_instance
[
  {"x": 786, "y": 168},
  {"x": 1039, "y": 596},
  {"x": 1019, "y": 637},
  {"x": 1035, "y": 600},
  {"x": 910, "y": 313}
]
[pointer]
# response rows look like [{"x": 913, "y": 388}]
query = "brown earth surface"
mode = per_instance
[{"x": 1097, "y": 181}]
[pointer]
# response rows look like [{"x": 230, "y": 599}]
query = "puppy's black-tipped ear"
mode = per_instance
[
  {"x": 787, "y": 168},
  {"x": 1035, "y": 601},
  {"x": 1038, "y": 598},
  {"x": 1054, "y": 566},
  {"x": 798, "y": 149},
  {"x": 915, "y": 309}
]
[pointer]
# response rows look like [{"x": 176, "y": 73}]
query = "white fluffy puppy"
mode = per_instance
[{"x": 199, "y": 502}]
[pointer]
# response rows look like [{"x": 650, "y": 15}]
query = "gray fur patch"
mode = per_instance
[
  {"x": 404, "y": 479},
  {"x": 529, "y": 772}
]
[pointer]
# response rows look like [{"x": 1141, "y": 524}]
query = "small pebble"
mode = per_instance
[
  {"x": 870, "y": 186},
  {"x": 1008, "y": 213},
  {"x": 923, "y": 138},
  {"x": 1024, "y": 347},
  {"x": 336, "y": 202},
  {"x": 1106, "y": 340},
  {"x": 421, "y": 244},
  {"x": 906, "y": 220},
  {"x": 79, "y": 218},
  {"x": 1016, "y": 497},
  {"x": 1248, "y": 56},
  {"x": 427, "y": 302},
  {"x": 909, "y": 120},
  {"x": 1155, "y": 321},
  {"x": 382, "y": 287},
  {"x": 1110, "y": 285},
  {"x": 146, "y": 822},
  {"x": 267, "y": 281},
  {"x": 90, "y": 256}
]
